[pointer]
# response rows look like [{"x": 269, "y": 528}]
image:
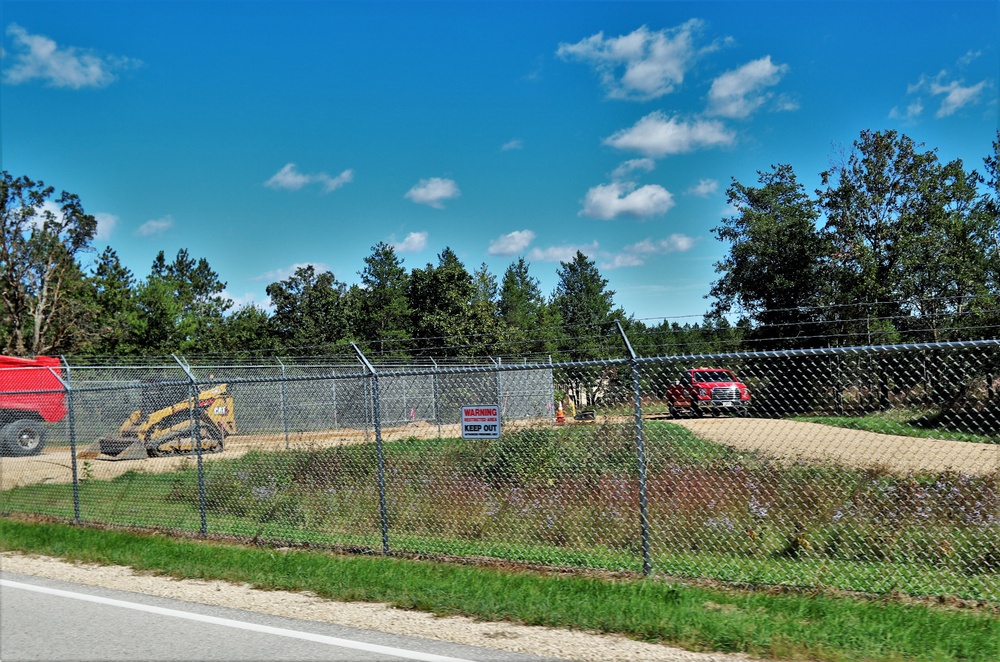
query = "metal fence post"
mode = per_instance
[
  {"x": 196, "y": 426},
  {"x": 499, "y": 385},
  {"x": 647, "y": 566},
  {"x": 383, "y": 514},
  {"x": 70, "y": 406},
  {"x": 552, "y": 394},
  {"x": 284, "y": 401},
  {"x": 434, "y": 388}
]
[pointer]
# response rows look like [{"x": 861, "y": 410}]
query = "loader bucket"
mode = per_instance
[{"x": 114, "y": 449}]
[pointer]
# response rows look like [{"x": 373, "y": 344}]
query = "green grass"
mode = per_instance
[
  {"x": 786, "y": 626},
  {"x": 901, "y": 422},
  {"x": 569, "y": 498}
]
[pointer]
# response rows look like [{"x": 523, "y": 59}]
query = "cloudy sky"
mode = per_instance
[{"x": 263, "y": 136}]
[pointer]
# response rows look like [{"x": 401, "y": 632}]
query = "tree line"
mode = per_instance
[{"x": 896, "y": 246}]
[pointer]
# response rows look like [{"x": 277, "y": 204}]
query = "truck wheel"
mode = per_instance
[{"x": 22, "y": 438}]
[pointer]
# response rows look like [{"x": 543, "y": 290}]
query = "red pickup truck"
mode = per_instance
[
  {"x": 30, "y": 394},
  {"x": 714, "y": 390}
]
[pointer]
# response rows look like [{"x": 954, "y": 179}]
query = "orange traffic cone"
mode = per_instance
[{"x": 560, "y": 414}]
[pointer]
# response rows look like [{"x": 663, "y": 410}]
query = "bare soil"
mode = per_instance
[
  {"x": 814, "y": 443},
  {"x": 55, "y": 464}
]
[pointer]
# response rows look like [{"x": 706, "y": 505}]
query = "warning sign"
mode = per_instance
[{"x": 480, "y": 422}]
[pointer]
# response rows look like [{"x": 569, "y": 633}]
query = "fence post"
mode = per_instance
[
  {"x": 500, "y": 408},
  {"x": 552, "y": 394},
  {"x": 196, "y": 426},
  {"x": 284, "y": 402},
  {"x": 72, "y": 437},
  {"x": 647, "y": 566},
  {"x": 383, "y": 514},
  {"x": 434, "y": 388}
]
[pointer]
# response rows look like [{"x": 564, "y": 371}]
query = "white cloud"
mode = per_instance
[
  {"x": 563, "y": 253},
  {"x": 969, "y": 57},
  {"x": 956, "y": 96},
  {"x": 247, "y": 299},
  {"x": 290, "y": 179},
  {"x": 785, "y": 103},
  {"x": 333, "y": 183},
  {"x": 414, "y": 243},
  {"x": 511, "y": 243},
  {"x": 36, "y": 57},
  {"x": 608, "y": 201},
  {"x": 704, "y": 188},
  {"x": 657, "y": 135},
  {"x": 619, "y": 260},
  {"x": 285, "y": 273},
  {"x": 630, "y": 166},
  {"x": 642, "y": 65},
  {"x": 675, "y": 243},
  {"x": 913, "y": 110},
  {"x": 635, "y": 255},
  {"x": 156, "y": 226},
  {"x": 105, "y": 225},
  {"x": 516, "y": 143},
  {"x": 739, "y": 92},
  {"x": 433, "y": 192}
]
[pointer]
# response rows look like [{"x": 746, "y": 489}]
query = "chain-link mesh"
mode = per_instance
[{"x": 870, "y": 469}]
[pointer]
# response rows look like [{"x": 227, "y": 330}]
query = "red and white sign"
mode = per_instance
[{"x": 480, "y": 422}]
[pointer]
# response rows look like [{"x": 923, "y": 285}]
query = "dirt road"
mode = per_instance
[{"x": 816, "y": 443}]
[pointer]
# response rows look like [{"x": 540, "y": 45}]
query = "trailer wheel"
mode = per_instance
[{"x": 22, "y": 438}]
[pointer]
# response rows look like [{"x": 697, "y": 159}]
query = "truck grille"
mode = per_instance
[{"x": 726, "y": 393}]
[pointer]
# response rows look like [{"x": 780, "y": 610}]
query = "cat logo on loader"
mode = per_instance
[{"x": 155, "y": 430}]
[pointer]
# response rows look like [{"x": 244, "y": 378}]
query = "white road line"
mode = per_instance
[{"x": 226, "y": 622}]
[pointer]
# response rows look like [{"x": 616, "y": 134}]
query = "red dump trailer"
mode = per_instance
[{"x": 30, "y": 394}]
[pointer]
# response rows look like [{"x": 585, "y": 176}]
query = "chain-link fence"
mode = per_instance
[{"x": 871, "y": 469}]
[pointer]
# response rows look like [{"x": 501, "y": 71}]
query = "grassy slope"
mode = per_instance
[{"x": 779, "y": 626}]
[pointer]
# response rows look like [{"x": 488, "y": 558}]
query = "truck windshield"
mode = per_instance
[{"x": 713, "y": 376}]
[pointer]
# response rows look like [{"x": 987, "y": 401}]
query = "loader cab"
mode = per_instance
[{"x": 159, "y": 394}]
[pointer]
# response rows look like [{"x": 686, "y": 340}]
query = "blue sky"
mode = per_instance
[{"x": 263, "y": 136}]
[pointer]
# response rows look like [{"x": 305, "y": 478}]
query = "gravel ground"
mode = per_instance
[
  {"x": 551, "y": 642},
  {"x": 816, "y": 443}
]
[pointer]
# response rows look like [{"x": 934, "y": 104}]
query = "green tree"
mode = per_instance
[
  {"x": 381, "y": 310},
  {"x": 944, "y": 268},
  {"x": 873, "y": 201},
  {"x": 248, "y": 332},
  {"x": 309, "y": 310},
  {"x": 586, "y": 309},
  {"x": 114, "y": 289},
  {"x": 587, "y": 312},
  {"x": 443, "y": 317},
  {"x": 485, "y": 312},
  {"x": 181, "y": 305},
  {"x": 531, "y": 326},
  {"x": 773, "y": 272},
  {"x": 988, "y": 207},
  {"x": 43, "y": 296},
  {"x": 520, "y": 296}
]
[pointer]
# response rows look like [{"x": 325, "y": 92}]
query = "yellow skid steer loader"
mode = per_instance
[{"x": 155, "y": 430}]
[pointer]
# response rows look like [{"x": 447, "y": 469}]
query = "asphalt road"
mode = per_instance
[{"x": 55, "y": 621}]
